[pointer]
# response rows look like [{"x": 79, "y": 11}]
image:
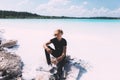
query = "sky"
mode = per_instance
[{"x": 77, "y": 8}]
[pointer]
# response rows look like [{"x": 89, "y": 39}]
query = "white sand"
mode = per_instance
[{"x": 97, "y": 43}]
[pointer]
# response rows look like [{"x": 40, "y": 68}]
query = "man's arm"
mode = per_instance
[
  {"x": 63, "y": 54},
  {"x": 46, "y": 47}
]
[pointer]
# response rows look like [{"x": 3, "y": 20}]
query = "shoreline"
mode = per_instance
[{"x": 68, "y": 18}]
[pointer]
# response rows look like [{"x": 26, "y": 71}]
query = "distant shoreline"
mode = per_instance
[
  {"x": 61, "y": 18},
  {"x": 27, "y": 15}
]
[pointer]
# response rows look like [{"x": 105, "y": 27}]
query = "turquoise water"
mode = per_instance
[
  {"x": 60, "y": 23},
  {"x": 63, "y": 20}
]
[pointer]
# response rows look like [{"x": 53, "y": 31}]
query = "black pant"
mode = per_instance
[{"x": 60, "y": 64}]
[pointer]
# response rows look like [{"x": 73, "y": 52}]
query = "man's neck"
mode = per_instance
[{"x": 59, "y": 39}]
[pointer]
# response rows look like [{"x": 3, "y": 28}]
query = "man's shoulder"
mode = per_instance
[
  {"x": 64, "y": 39},
  {"x": 53, "y": 39}
]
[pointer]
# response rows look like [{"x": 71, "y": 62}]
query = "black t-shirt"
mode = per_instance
[{"x": 59, "y": 45}]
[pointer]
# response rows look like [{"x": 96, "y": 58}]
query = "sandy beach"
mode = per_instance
[{"x": 96, "y": 43}]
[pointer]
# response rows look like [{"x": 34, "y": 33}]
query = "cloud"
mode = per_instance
[
  {"x": 25, "y": 5},
  {"x": 66, "y": 8},
  {"x": 17, "y": 5},
  {"x": 85, "y": 2},
  {"x": 59, "y": 8},
  {"x": 104, "y": 12},
  {"x": 61, "y": 2},
  {"x": 53, "y": 7},
  {"x": 23, "y": 2}
]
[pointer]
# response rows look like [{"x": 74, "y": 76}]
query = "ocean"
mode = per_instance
[{"x": 97, "y": 41}]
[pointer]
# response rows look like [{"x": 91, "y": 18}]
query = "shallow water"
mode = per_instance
[{"x": 95, "y": 41}]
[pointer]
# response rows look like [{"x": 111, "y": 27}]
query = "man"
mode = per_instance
[{"x": 59, "y": 52}]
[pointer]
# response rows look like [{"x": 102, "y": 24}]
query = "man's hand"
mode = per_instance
[
  {"x": 46, "y": 47},
  {"x": 54, "y": 61},
  {"x": 49, "y": 50}
]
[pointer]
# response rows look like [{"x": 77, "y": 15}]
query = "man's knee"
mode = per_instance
[{"x": 50, "y": 48}]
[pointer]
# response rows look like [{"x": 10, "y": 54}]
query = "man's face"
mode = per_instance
[{"x": 58, "y": 35}]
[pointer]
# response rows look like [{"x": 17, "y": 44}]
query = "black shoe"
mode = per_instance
[
  {"x": 54, "y": 77},
  {"x": 53, "y": 70}
]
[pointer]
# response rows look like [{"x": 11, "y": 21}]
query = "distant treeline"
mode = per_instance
[
  {"x": 14, "y": 14},
  {"x": 22, "y": 15}
]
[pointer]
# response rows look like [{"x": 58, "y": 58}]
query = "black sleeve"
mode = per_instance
[
  {"x": 52, "y": 40},
  {"x": 65, "y": 42}
]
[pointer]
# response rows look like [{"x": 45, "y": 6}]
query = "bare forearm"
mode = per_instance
[
  {"x": 46, "y": 45},
  {"x": 63, "y": 55}
]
